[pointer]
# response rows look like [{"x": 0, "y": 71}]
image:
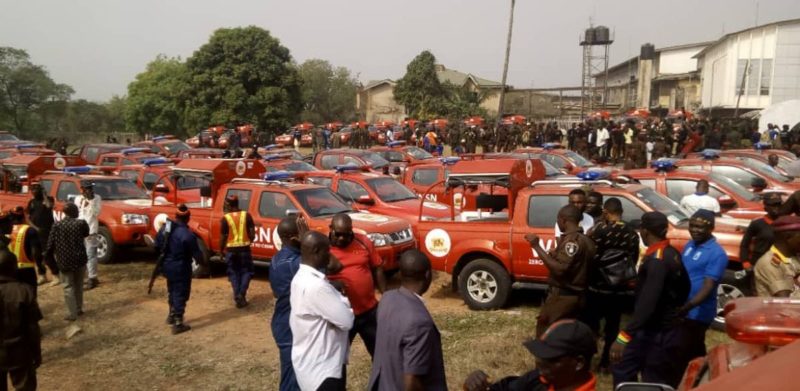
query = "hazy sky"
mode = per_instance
[{"x": 98, "y": 46}]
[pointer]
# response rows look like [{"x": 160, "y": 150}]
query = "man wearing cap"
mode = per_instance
[
  {"x": 563, "y": 358},
  {"x": 180, "y": 248},
  {"x": 777, "y": 271},
  {"x": 650, "y": 343},
  {"x": 236, "y": 234},
  {"x": 25, "y": 246},
  {"x": 89, "y": 206},
  {"x": 39, "y": 214},
  {"x": 759, "y": 234},
  {"x": 66, "y": 247},
  {"x": 705, "y": 262},
  {"x": 700, "y": 200},
  {"x": 568, "y": 267}
]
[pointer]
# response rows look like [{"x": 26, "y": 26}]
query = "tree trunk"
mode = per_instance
[{"x": 505, "y": 64}]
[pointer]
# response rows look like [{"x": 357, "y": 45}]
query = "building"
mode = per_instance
[
  {"x": 664, "y": 78},
  {"x": 375, "y": 101},
  {"x": 751, "y": 69}
]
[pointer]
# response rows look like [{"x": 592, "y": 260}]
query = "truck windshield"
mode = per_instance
[
  {"x": 733, "y": 186},
  {"x": 389, "y": 190},
  {"x": 118, "y": 189},
  {"x": 765, "y": 169},
  {"x": 299, "y": 166},
  {"x": 375, "y": 160},
  {"x": 579, "y": 160},
  {"x": 176, "y": 146},
  {"x": 662, "y": 204},
  {"x": 418, "y": 153},
  {"x": 321, "y": 202}
]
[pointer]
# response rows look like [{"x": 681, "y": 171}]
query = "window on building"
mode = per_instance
[
  {"x": 766, "y": 75},
  {"x": 753, "y": 76},
  {"x": 740, "y": 69}
]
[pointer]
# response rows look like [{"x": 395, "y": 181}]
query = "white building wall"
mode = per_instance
[
  {"x": 678, "y": 60},
  {"x": 786, "y": 74}
]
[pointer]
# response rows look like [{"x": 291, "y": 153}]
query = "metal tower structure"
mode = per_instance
[{"x": 596, "y": 42}]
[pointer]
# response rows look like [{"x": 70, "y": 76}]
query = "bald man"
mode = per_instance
[
  {"x": 320, "y": 320},
  {"x": 408, "y": 353}
]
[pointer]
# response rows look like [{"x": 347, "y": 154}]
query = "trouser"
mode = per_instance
[
  {"x": 73, "y": 290},
  {"x": 23, "y": 379},
  {"x": 366, "y": 326},
  {"x": 240, "y": 271},
  {"x": 601, "y": 306},
  {"x": 91, "y": 254},
  {"x": 693, "y": 339},
  {"x": 558, "y": 305},
  {"x": 282, "y": 334},
  {"x": 43, "y": 235},
  {"x": 335, "y": 384},
  {"x": 179, "y": 290},
  {"x": 654, "y": 354},
  {"x": 27, "y": 275}
]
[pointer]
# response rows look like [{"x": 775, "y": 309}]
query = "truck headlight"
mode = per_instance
[
  {"x": 130, "y": 219},
  {"x": 379, "y": 240}
]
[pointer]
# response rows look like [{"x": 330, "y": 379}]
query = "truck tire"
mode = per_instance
[
  {"x": 484, "y": 284},
  {"x": 201, "y": 267},
  {"x": 105, "y": 245},
  {"x": 730, "y": 288}
]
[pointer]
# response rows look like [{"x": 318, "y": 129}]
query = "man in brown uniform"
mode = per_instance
[
  {"x": 776, "y": 272},
  {"x": 568, "y": 269}
]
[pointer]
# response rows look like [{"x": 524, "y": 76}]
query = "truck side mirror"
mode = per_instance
[
  {"x": 643, "y": 387},
  {"x": 726, "y": 202},
  {"x": 205, "y": 191},
  {"x": 365, "y": 200},
  {"x": 160, "y": 188}
]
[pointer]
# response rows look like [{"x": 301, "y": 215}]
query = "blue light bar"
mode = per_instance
[
  {"x": 347, "y": 167},
  {"x": 133, "y": 150},
  {"x": 154, "y": 161},
  {"x": 551, "y": 145},
  {"x": 77, "y": 169},
  {"x": 663, "y": 164},
  {"x": 396, "y": 143},
  {"x": 278, "y": 176},
  {"x": 592, "y": 175},
  {"x": 159, "y": 138},
  {"x": 710, "y": 153},
  {"x": 273, "y": 146},
  {"x": 449, "y": 161},
  {"x": 23, "y": 146},
  {"x": 762, "y": 145}
]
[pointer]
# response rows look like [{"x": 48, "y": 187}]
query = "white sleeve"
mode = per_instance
[
  {"x": 333, "y": 306},
  {"x": 715, "y": 206}
]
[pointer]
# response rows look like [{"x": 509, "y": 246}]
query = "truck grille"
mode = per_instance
[{"x": 402, "y": 236}]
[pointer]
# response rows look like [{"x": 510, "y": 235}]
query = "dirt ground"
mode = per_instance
[{"x": 125, "y": 344}]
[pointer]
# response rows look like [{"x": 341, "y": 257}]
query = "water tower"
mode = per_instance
[{"x": 595, "y": 42}]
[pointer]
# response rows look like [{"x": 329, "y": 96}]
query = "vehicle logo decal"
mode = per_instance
[
  {"x": 240, "y": 167},
  {"x": 59, "y": 163},
  {"x": 437, "y": 242},
  {"x": 459, "y": 201},
  {"x": 528, "y": 168}
]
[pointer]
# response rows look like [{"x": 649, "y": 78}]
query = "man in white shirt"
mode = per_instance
[
  {"x": 602, "y": 140},
  {"x": 320, "y": 320},
  {"x": 89, "y": 206},
  {"x": 700, "y": 200},
  {"x": 389, "y": 135},
  {"x": 577, "y": 198}
]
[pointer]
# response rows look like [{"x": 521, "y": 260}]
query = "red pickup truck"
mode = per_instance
[
  {"x": 486, "y": 252},
  {"x": 269, "y": 200}
]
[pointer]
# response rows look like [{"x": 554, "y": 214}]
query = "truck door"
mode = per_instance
[
  {"x": 421, "y": 178},
  {"x": 541, "y": 220},
  {"x": 272, "y": 207}
]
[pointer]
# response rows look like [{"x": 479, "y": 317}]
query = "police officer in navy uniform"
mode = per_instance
[
  {"x": 177, "y": 264},
  {"x": 650, "y": 343},
  {"x": 237, "y": 233},
  {"x": 568, "y": 266}
]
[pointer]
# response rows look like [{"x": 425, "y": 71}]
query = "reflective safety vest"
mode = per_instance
[
  {"x": 18, "y": 246},
  {"x": 237, "y": 229}
]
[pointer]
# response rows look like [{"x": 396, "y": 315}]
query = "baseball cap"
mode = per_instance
[
  {"x": 567, "y": 337},
  {"x": 655, "y": 222},
  {"x": 706, "y": 215}
]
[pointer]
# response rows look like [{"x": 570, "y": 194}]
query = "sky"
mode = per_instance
[{"x": 99, "y": 46}]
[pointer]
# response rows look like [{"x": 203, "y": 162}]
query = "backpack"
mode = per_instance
[{"x": 617, "y": 268}]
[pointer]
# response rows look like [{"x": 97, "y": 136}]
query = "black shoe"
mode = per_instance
[
  {"x": 171, "y": 318},
  {"x": 239, "y": 301},
  {"x": 242, "y": 302},
  {"x": 179, "y": 327},
  {"x": 80, "y": 312}
]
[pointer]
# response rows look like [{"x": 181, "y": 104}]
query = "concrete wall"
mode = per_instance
[
  {"x": 381, "y": 106},
  {"x": 786, "y": 74},
  {"x": 491, "y": 103}
]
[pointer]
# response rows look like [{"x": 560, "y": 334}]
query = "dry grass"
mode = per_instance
[{"x": 125, "y": 344}]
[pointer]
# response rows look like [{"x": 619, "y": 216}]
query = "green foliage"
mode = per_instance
[
  {"x": 242, "y": 74},
  {"x": 461, "y": 102},
  {"x": 329, "y": 93},
  {"x": 156, "y": 102},
  {"x": 27, "y": 93},
  {"x": 420, "y": 90}
]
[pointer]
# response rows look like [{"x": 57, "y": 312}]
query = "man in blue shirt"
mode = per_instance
[
  {"x": 705, "y": 263},
  {"x": 282, "y": 269}
]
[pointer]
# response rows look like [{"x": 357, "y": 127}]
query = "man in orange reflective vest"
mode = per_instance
[
  {"x": 24, "y": 243},
  {"x": 237, "y": 232}
]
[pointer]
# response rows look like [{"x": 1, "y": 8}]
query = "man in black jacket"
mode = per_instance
[
  {"x": 66, "y": 247},
  {"x": 759, "y": 233},
  {"x": 650, "y": 342}
]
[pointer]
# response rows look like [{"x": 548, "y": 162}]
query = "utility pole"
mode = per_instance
[{"x": 505, "y": 65}]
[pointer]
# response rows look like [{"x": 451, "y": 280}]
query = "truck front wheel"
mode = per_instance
[
  {"x": 201, "y": 267},
  {"x": 105, "y": 246},
  {"x": 484, "y": 285}
]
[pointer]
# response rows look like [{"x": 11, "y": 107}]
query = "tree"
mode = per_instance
[
  {"x": 420, "y": 90},
  {"x": 329, "y": 93},
  {"x": 156, "y": 102},
  {"x": 242, "y": 74},
  {"x": 24, "y": 89},
  {"x": 462, "y": 102}
]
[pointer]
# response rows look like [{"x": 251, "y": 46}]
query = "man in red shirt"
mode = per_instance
[{"x": 362, "y": 271}]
